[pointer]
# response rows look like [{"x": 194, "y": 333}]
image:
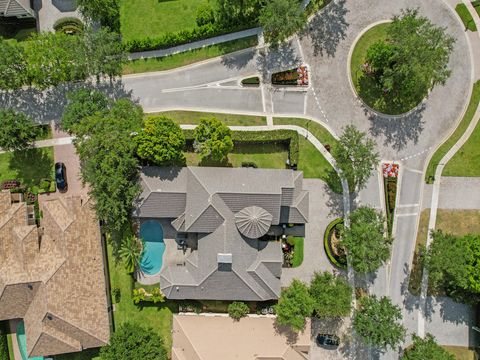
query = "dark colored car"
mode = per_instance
[
  {"x": 61, "y": 177},
  {"x": 328, "y": 341}
]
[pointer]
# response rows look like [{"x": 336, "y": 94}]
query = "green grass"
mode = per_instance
[
  {"x": 466, "y": 17},
  {"x": 188, "y": 57},
  {"x": 297, "y": 243},
  {"x": 148, "y": 18},
  {"x": 157, "y": 316},
  {"x": 28, "y": 166},
  {"x": 10, "y": 347},
  {"x": 466, "y": 161},
  {"x": 45, "y": 132},
  {"x": 194, "y": 117},
  {"x": 477, "y": 8},
  {"x": 462, "y": 353}
]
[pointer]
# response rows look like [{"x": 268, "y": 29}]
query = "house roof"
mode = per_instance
[
  {"x": 251, "y": 338},
  {"x": 53, "y": 276},
  {"x": 228, "y": 210},
  {"x": 17, "y": 8}
]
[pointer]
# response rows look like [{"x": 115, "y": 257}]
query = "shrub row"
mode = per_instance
[
  {"x": 182, "y": 37},
  {"x": 326, "y": 244},
  {"x": 390, "y": 187},
  {"x": 288, "y": 137}
]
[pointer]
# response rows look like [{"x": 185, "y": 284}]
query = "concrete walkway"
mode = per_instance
[
  {"x": 196, "y": 44},
  {"x": 49, "y": 142}
]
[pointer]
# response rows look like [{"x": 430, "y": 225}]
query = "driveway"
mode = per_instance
[{"x": 325, "y": 206}]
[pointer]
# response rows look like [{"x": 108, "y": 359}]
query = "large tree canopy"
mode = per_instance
[
  {"x": 332, "y": 295},
  {"x": 17, "y": 130},
  {"x": 12, "y": 66},
  {"x": 453, "y": 263},
  {"x": 81, "y": 104},
  {"x": 365, "y": 241},
  {"x": 280, "y": 19},
  {"x": 356, "y": 156},
  {"x": 161, "y": 141},
  {"x": 106, "y": 12},
  {"x": 377, "y": 322},
  {"x": 213, "y": 140},
  {"x": 412, "y": 60},
  {"x": 426, "y": 349},
  {"x": 134, "y": 342},
  {"x": 294, "y": 305},
  {"x": 107, "y": 152}
]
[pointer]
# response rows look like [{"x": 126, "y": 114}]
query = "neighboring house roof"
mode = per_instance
[
  {"x": 226, "y": 211},
  {"x": 251, "y": 338},
  {"x": 53, "y": 276},
  {"x": 18, "y": 8}
]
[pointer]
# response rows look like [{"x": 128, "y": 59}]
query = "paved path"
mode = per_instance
[
  {"x": 49, "y": 142},
  {"x": 196, "y": 44},
  {"x": 456, "y": 193}
]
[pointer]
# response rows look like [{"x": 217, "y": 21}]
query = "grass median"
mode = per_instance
[
  {"x": 188, "y": 57},
  {"x": 194, "y": 117}
]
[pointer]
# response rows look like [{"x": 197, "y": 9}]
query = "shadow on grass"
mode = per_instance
[{"x": 32, "y": 165}]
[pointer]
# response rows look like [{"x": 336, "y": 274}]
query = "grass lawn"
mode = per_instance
[
  {"x": 297, "y": 243},
  {"x": 461, "y": 353},
  {"x": 466, "y": 161},
  {"x": 193, "y": 118},
  {"x": 477, "y": 8},
  {"x": 10, "y": 347},
  {"x": 188, "y": 57},
  {"x": 157, "y": 316},
  {"x": 148, "y": 18},
  {"x": 29, "y": 166},
  {"x": 466, "y": 17},
  {"x": 416, "y": 272}
]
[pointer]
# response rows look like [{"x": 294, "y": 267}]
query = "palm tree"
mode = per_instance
[{"x": 131, "y": 251}]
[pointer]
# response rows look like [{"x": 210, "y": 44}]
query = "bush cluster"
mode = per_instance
[
  {"x": 334, "y": 260},
  {"x": 171, "y": 39},
  {"x": 238, "y": 310},
  {"x": 3, "y": 344}
]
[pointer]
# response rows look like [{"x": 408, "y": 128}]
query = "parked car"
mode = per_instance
[
  {"x": 328, "y": 341},
  {"x": 61, "y": 176}
]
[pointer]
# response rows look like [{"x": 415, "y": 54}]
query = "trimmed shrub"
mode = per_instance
[
  {"x": 116, "y": 294},
  {"x": 255, "y": 80},
  {"x": 238, "y": 310},
  {"x": 466, "y": 17},
  {"x": 205, "y": 15},
  {"x": 69, "y": 26},
  {"x": 326, "y": 244}
]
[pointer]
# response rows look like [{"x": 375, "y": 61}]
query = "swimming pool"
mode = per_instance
[
  {"x": 22, "y": 342},
  {"x": 152, "y": 233}
]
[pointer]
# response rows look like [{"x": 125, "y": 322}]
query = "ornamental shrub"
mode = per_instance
[
  {"x": 205, "y": 15},
  {"x": 238, "y": 310}
]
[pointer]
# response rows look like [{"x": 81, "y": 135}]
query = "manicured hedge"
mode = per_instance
[
  {"x": 290, "y": 137},
  {"x": 326, "y": 244},
  {"x": 255, "y": 80},
  {"x": 390, "y": 187},
  {"x": 466, "y": 17},
  {"x": 182, "y": 37}
]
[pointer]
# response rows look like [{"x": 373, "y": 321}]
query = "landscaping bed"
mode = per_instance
[
  {"x": 466, "y": 17},
  {"x": 194, "y": 117},
  {"x": 335, "y": 252},
  {"x": 188, "y": 57},
  {"x": 251, "y": 81},
  {"x": 69, "y": 26},
  {"x": 296, "y": 77},
  {"x": 292, "y": 248},
  {"x": 390, "y": 176}
]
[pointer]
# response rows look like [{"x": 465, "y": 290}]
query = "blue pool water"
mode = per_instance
[
  {"x": 22, "y": 342},
  {"x": 152, "y": 233}
]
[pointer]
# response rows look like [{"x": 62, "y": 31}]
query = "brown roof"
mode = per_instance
[
  {"x": 251, "y": 338},
  {"x": 53, "y": 276}
]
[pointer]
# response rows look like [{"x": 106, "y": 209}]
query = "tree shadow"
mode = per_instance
[
  {"x": 352, "y": 347},
  {"x": 398, "y": 131},
  {"x": 237, "y": 61},
  {"x": 328, "y": 28},
  {"x": 44, "y": 106},
  {"x": 334, "y": 202},
  {"x": 287, "y": 331},
  {"x": 280, "y": 58}
]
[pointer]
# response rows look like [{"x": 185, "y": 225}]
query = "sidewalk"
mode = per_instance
[
  {"x": 196, "y": 44},
  {"x": 50, "y": 142}
]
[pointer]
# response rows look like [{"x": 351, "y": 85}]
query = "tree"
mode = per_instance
[
  {"x": 238, "y": 310},
  {"x": 213, "y": 139},
  {"x": 161, "y": 141},
  {"x": 356, "y": 156},
  {"x": 453, "y": 263},
  {"x": 106, "y": 12},
  {"x": 418, "y": 55},
  {"x": 134, "y": 342},
  {"x": 231, "y": 13},
  {"x": 377, "y": 322},
  {"x": 332, "y": 295},
  {"x": 366, "y": 244},
  {"x": 108, "y": 162},
  {"x": 81, "y": 104},
  {"x": 280, "y": 19},
  {"x": 131, "y": 251},
  {"x": 426, "y": 349},
  {"x": 18, "y": 131},
  {"x": 294, "y": 305},
  {"x": 12, "y": 66}
]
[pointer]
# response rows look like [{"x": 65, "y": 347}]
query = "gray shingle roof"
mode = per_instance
[{"x": 205, "y": 201}]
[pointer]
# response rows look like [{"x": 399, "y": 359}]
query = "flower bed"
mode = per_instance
[
  {"x": 331, "y": 242},
  {"x": 390, "y": 176},
  {"x": 298, "y": 77},
  {"x": 292, "y": 248}
]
